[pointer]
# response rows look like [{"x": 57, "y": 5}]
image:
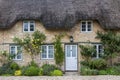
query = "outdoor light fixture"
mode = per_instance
[{"x": 71, "y": 38}]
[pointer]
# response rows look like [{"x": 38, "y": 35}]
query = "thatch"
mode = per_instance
[{"x": 57, "y": 14}]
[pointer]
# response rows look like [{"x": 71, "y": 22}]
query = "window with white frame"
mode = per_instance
[
  {"x": 99, "y": 51},
  {"x": 47, "y": 52},
  {"x": 16, "y": 52},
  {"x": 28, "y": 26},
  {"x": 86, "y": 26}
]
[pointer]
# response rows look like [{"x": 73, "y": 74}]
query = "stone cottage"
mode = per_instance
[{"x": 80, "y": 19}]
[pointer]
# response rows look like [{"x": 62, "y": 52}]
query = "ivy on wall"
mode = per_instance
[
  {"x": 31, "y": 43},
  {"x": 111, "y": 44},
  {"x": 59, "y": 53}
]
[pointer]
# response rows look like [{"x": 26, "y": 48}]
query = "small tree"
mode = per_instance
[
  {"x": 87, "y": 51},
  {"x": 31, "y": 43},
  {"x": 59, "y": 53},
  {"x": 111, "y": 43}
]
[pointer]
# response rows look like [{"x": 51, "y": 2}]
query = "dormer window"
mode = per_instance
[
  {"x": 28, "y": 26},
  {"x": 86, "y": 26}
]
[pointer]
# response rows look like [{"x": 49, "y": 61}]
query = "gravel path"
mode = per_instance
[{"x": 61, "y": 78}]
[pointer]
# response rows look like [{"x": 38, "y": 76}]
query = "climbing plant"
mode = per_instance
[
  {"x": 59, "y": 53},
  {"x": 31, "y": 43},
  {"x": 111, "y": 43},
  {"x": 87, "y": 51}
]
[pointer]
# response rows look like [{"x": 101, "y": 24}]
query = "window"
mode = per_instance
[
  {"x": 16, "y": 52},
  {"x": 99, "y": 51},
  {"x": 47, "y": 52},
  {"x": 86, "y": 26},
  {"x": 28, "y": 26}
]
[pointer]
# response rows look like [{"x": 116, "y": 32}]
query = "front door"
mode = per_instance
[{"x": 71, "y": 57}]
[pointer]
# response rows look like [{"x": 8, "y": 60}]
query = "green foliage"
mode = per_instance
[
  {"x": 98, "y": 64},
  {"x": 47, "y": 69},
  {"x": 112, "y": 71},
  {"x": 59, "y": 53},
  {"x": 18, "y": 73},
  {"x": 14, "y": 66},
  {"x": 87, "y": 51},
  {"x": 85, "y": 63},
  {"x": 56, "y": 73},
  {"x": 31, "y": 43},
  {"x": 103, "y": 72},
  {"x": 87, "y": 71},
  {"x": 6, "y": 69},
  {"x": 31, "y": 71},
  {"x": 40, "y": 72},
  {"x": 32, "y": 63},
  {"x": 5, "y": 57},
  {"x": 111, "y": 43}
]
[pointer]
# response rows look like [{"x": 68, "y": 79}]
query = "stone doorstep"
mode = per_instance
[{"x": 71, "y": 74}]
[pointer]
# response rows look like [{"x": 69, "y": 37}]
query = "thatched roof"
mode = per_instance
[{"x": 60, "y": 13}]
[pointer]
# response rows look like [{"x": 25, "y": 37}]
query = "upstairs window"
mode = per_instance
[
  {"x": 28, "y": 26},
  {"x": 16, "y": 52},
  {"x": 47, "y": 52},
  {"x": 86, "y": 26},
  {"x": 99, "y": 51}
]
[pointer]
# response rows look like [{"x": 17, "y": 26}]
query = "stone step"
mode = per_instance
[{"x": 71, "y": 74}]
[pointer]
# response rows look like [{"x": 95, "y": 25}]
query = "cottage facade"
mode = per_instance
[{"x": 51, "y": 18}]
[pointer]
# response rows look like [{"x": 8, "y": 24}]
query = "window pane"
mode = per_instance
[
  {"x": 73, "y": 51},
  {"x": 19, "y": 56},
  {"x": 94, "y": 55},
  {"x": 44, "y": 52},
  {"x": 31, "y": 26},
  {"x": 83, "y": 26},
  {"x": 12, "y": 52},
  {"x": 25, "y": 26},
  {"x": 89, "y": 26},
  {"x": 50, "y": 51},
  {"x": 19, "y": 52},
  {"x": 100, "y": 50},
  {"x": 68, "y": 51}
]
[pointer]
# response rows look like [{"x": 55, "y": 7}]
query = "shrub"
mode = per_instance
[
  {"x": 98, "y": 64},
  {"x": 24, "y": 68},
  {"x": 112, "y": 71},
  {"x": 5, "y": 69},
  {"x": 103, "y": 72},
  {"x": 18, "y": 73},
  {"x": 85, "y": 63},
  {"x": 47, "y": 69},
  {"x": 87, "y": 71},
  {"x": 40, "y": 72},
  {"x": 14, "y": 66},
  {"x": 56, "y": 73},
  {"x": 32, "y": 63},
  {"x": 31, "y": 71}
]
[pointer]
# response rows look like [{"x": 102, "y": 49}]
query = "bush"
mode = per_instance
[
  {"x": 14, "y": 66},
  {"x": 98, "y": 64},
  {"x": 5, "y": 69},
  {"x": 103, "y": 72},
  {"x": 56, "y": 73},
  {"x": 47, "y": 69},
  {"x": 32, "y": 63},
  {"x": 40, "y": 72},
  {"x": 18, "y": 73},
  {"x": 87, "y": 71},
  {"x": 85, "y": 63},
  {"x": 31, "y": 71},
  {"x": 112, "y": 71}
]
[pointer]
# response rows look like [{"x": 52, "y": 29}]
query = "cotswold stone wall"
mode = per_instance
[{"x": 6, "y": 38}]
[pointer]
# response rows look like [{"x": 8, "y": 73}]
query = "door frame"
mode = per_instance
[{"x": 65, "y": 57}]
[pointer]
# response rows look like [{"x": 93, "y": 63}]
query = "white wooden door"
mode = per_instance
[{"x": 71, "y": 57}]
